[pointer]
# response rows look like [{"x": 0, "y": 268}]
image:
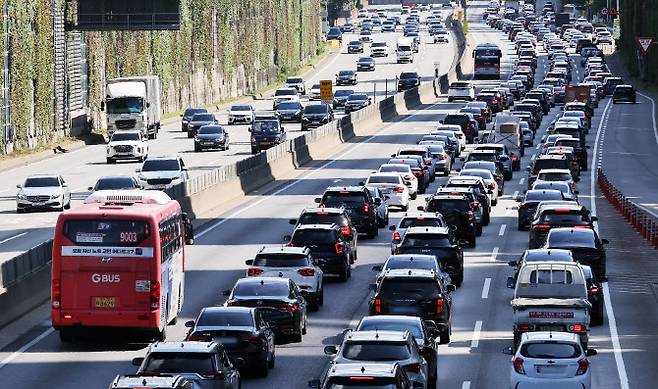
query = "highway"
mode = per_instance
[
  {"x": 81, "y": 168},
  {"x": 482, "y": 325}
]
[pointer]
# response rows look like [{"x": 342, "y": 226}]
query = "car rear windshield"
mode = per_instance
[
  {"x": 358, "y": 382},
  {"x": 568, "y": 217},
  {"x": 448, "y": 205},
  {"x": 554, "y": 176},
  {"x": 426, "y": 240},
  {"x": 281, "y": 260},
  {"x": 555, "y": 276},
  {"x": 115, "y": 183},
  {"x": 158, "y": 165},
  {"x": 124, "y": 136},
  {"x": 324, "y": 218},
  {"x": 567, "y": 238},
  {"x": 203, "y": 117},
  {"x": 179, "y": 362},
  {"x": 311, "y": 237},
  {"x": 265, "y": 289},
  {"x": 456, "y": 119},
  {"x": 125, "y": 233},
  {"x": 385, "y": 324},
  {"x": 384, "y": 179},
  {"x": 376, "y": 351},
  {"x": 394, "y": 168},
  {"x": 477, "y": 173},
  {"x": 223, "y": 319},
  {"x": 41, "y": 182},
  {"x": 413, "y": 288},
  {"x": 491, "y": 157},
  {"x": 420, "y": 222},
  {"x": 315, "y": 109},
  {"x": 550, "y": 350},
  {"x": 541, "y": 164},
  {"x": 412, "y": 152},
  {"x": 346, "y": 197},
  {"x": 533, "y": 195}
]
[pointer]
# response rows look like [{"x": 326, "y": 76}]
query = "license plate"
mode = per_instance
[
  {"x": 227, "y": 340},
  {"x": 551, "y": 328},
  {"x": 104, "y": 302},
  {"x": 403, "y": 310},
  {"x": 549, "y": 369}
]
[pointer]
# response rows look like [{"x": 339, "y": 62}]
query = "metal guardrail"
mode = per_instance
[{"x": 642, "y": 221}]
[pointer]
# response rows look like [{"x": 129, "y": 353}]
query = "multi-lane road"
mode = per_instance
[{"x": 482, "y": 316}]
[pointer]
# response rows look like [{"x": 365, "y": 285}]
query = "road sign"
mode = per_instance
[
  {"x": 326, "y": 93},
  {"x": 604, "y": 12},
  {"x": 645, "y": 42},
  {"x": 613, "y": 12}
]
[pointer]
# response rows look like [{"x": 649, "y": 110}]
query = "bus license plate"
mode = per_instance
[{"x": 104, "y": 302}]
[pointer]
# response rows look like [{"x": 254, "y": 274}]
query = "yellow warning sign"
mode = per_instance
[{"x": 326, "y": 91}]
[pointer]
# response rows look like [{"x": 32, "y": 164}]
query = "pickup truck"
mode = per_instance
[{"x": 550, "y": 296}]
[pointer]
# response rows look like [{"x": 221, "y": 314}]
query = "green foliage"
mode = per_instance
[{"x": 639, "y": 18}]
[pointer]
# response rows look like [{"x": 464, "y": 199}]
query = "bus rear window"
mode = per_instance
[{"x": 106, "y": 232}]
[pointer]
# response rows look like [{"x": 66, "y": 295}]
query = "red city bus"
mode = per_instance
[{"x": 118, "y": 262}]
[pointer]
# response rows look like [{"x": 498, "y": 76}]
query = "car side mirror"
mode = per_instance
[
  {"x": 314, "y": 384},
  {"x": 519, "y": 199},
  {"x": 189, "y": 323},
  {"x": 451, "y": 288},
  {"x": 137, "y": 361},
  {"x": 283, "y": 129},
  {"x": 594, "y": 218},
  {"x": 249, "y": 129},
  {"x": 510, "y": 282},
  {"x": 527, "y": 168},
  {"x": 512, "y": 263},
  {"x": 392, "y": 228},
  {"x": 490, "y": 191},
  {"x": 249, "y": 262},
  {"x": 138, "y": 170},
  {"x": 508, "y": 351},
  {"x": 331, "y": 350},
  {"x": 318, "y": 200},
  {"x": 591, "y": 352},
  {"x": 287, "y": 238},
  {"x": 605, "y": 241},
  {"x": 19, "y": 186},
  {"x": 463, "y": 242},
  {"x": 292, "y": 221},
  {"x": 576, "y": 192},
  {"x": 577, "y": 179},
  {"x": 90, "y": 188},
  {"x": 377, "y": 268},
  {"x": 226, "y": 293}
]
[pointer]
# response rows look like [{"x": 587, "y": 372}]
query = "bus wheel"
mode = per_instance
[{"x": 65, "y": 335}]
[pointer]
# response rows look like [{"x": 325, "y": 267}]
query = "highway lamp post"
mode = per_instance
[{"x": 374, "y": 91}]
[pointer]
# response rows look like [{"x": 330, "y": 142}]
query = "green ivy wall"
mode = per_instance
[{"x": 223, "y": 49}]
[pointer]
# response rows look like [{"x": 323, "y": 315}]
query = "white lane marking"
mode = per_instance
[
  {"x": 476, "y": 334},
  {"x": 538, "y": 146},
  {"x": 521, "y": 181},
  {"x": 515, "y": 195},
  {"x": 466, "y": 385},
  {"x": 494, "y": 254},
  {"x": 25, "y": 347},
  {"x": 485, "y": 288},
  {"x": 612, "y": 323},
  {"x": 13, "y": 237},
  {"x": 501, "y": 232},
  {"x": 533, "y": 157},
  {"x": 302, "y": 178},
  {"x": 653, "y": 116}
]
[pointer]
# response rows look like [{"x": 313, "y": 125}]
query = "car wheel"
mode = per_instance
[
  {"x": 321, "y": 297},
  {"x": 486, "y": 219},
  {"x": 197, "y": 149},
  {"x": 272, "y": 361},
  {"x": 190, "y": 135},
  {"x": 471, "y": 242},
  {"x": 413, "y": 196},
  {"x": 162, "y": 335},
  {"x": 478, "y": 229},
  {"x": 404, "y": 208},
  {"x": 296, "y": 338},
  {"x": 445, "y": 337},
  {"x": 597, "y": 316},
  {"x": 494, "y": 202},
  {"x": 263, "y": 369},
  {"x": 346, "y": 273},
  {"x": 68, "y": 205},
  {"x": 254, "y": 151},
  {"x": 110, "y": 161}
]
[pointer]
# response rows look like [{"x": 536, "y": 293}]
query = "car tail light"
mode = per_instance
[
  {"x": 56, "y": 295},
  {"x": 577, "y": 328},
  {"x": 155, "y": 294},
  {"x": 253, "y": 271},
  {"x": 306, "y": 272},
  {"x": 408, "y": 177},
  {"x": 583, "y": 364},
  {"x": 398, "y": 189},
  {"x": 518, "y": 365},
  {"x": 365, "y": 208},
  {"x": 491, "y": 186},
  {"x": 541, "y": 226},
  {"x": 345, "y": 230},
  {"x": 439, "y": 306},
  {"x": 594, "y": 290},
  {"x": 475, "y": 205},
  {"x": 515, "y": 158},
  {"x": 413, "y": 368},
  {"x": 213, "y": 375},
  {"x": 572, "y": 185},
  {"x": 378, "y": 305},
  {"x": 293, "y": 307},
  {"x": 291, "y": 244},
  {"x": 339, "y": 248},
  {"x": 396, "y": 237},
  {"x": 197, "y": 338},
  {"x": 471, "y": 215},
  {"x": 428, "y": 161}
]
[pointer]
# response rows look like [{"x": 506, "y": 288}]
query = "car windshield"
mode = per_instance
[
  {"x": 568, "y": 238},
  {"x": 261, "y": 289},
  {"x": 115, "y": 183},
  {"x": 426, "y": 240},
  {"x": 357, "y": 97},
  {"x": 211, "y": 130},
  {"x": 365, "y": 60},
  {"x": 378, "y": 44},
  {"x": 376, "y": 351},
  {"x": 285, "y": 92},
  {"x": 384, "y": 179},
  {"x": 266, "y": 126},
  {"x": 315, "y": 109},
  {"x": 289, "y": 105},
  {"x": 346, "y": 73},
  {"x": 323, "y": 218},
  {"x": 179, "y": 362},
  {"x": 281, "y": 260},
  {"x": 408, "y": 75},
  {"x": 192, "y": 111},
  {"x": 420, "y": 221},
  {"x": 445, "y": 205},
  {"x": 419, "y": 289},
  {"x": 203, "y": 117},
  {"x": 125, "y": 136},
  {"x": 379, "y": 324},
  {"x": 121, "y": 105},
  {"x": 41, "y": 182},
  {"x": 158, "y": 165},
  {"x": 294, "y": 80},
  {"x": 550, "y": 350},
  {"x": 311, "y": 237},
  {"x": 221, "y": 318},
  {"x": 241, "y": 108},
  {"x": 355, "y": 43}
]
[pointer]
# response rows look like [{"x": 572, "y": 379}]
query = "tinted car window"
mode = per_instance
[
  {"x": 180, "y": 363},
  {"x": 379, "y": 352},
  {"x": 266, "y": 126},
  {"x": 563, "y": 217},
  {"x": 408, "y": 288},
  {"x": 405, "y": 75},
  {"x": 448, "y": 206},
  {"x": 124, "y": 136},
  {"x": 420, "y": 222},
  {"x": 240, "y": 108},
  {"x": 392, "y": 325},
  {"x": 554, "y": 176},
  {"x": 562, "y": 239},
  {"x": 343, "y": 92},
  {"x": 425, "y": 240},
  {"x": 258, "y": 289},
  {"x": 211, "y": 130},
  {"x": 338, "y": 198},
  {"x": 540, "y": 196},
  {"x": 115, "y": 183},
  {"x": 315, "y": 109},
  {"x": 203, "y": 117},
  {"x": 38, "y": 182},
  {"x": 191, "y": 111},
  {"x": 384, "y": 180},
  {"x": 307, "y": 237},
  {"x": 549, "y": 164},
  {"x": 550, "y": 350},
  {"x": 280, "y": 260},
  {"x": 327, "y": 218},
  {"x": 223, "y": 318},
  {"x": 289, "y": 105},
  {"x": 417, "y": 263},
  {"x": 157, "y": 165}
]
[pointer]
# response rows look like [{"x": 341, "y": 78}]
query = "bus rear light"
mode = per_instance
[
  {"x": 155, "y": 294},
  {"x": 56, "y": 293}
]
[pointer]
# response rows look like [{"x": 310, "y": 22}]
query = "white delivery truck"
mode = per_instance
[
  {"x": 405, "y": 50},
  {"x": 133, "y": 103},
  {"x": 507, "y": 131}
]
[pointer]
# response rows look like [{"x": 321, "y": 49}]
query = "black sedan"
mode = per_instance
[
  {"x": 199, "y": 120},
  {"x": 529, "y": 204},
  {"x": 355, "y": 47},
  {"x": 408, "y": 80},
  {"x": 341, "y": 96},
  {"x": 356, "y": 101},
  {"x": 212, "y": 136},
  {"x": 584, "y": 244},
  {"x": 115, "y": 183},
  {"x": 279, "y": 300},
  {"x": 316, "y": 115},
  {"x": 365, "y": 64},
  {"x": 243, "y": 332},
  {"x": 594, "y": 296},
  {"x": 289, "y": 111},
  {"x": 187, "y": 116},
  {"x": 346, "y": 77}
]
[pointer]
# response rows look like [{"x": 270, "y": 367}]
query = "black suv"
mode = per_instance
[
  {"x": 328, "y": 246},
  {"x": 456, "y": 211},
  {"x": 337, "y": 216},
  {"x": 199, "y": 120},
  {"x": 584, "y": 244},
  {"x": 624, "y": 93},
  {"x": 316, "y": 115},
  {"x": 243, "y": 332},
  {"x": 531, "y": 200},
  {"x": 355, "y": 47},
  {"x": 556, "y": 215},
  {"x": 266, "y": 133},
  {"x": 186, "y": 117},
  {"x": 408, "y": 80},
  {"x": 480, "y": 191},
  {"x": 358, "y": 204},
  {"x": 414, "y": 292},
  {"x": 579, "y": 152},
  {"x": 289, "y": 111},
  {"x": 546, "y": 161},
  {"x": 464, "y": 121},
  {"x": 439, "y": 242}
]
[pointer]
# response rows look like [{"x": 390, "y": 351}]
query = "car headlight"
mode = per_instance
[
  {"x": 141, "y": 178},
  {"x": 21, "y": 196},
  {"x": 55, "y": 196}
]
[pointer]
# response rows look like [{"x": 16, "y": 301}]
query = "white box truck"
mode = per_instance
[
  {"x": 133, "y": 103},
  {"x": 405, "y": 50}
]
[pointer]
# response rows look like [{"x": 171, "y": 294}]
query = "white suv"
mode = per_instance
[
  {"x": 461, "y": 90},
  {"x": 284, "y": 94},
  {"x": 296, "y": 83},
  {"x": 162, "y": 173},
  {"x": 127, "y": 145},
  {"x": 295, "y": 263}
]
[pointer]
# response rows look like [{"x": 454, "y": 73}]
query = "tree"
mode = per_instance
[{"x": 334, "y": 8}]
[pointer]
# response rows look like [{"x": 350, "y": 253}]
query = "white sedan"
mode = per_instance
[
  {"x": 551, "y": 360},
  {"x": 393, "y": 186},
  {"x": 406, "y": 173},
  {"x": 488, "y": 178}
]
